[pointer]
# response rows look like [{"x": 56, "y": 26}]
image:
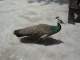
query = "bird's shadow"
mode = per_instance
[{"x": 46, "y": 42}]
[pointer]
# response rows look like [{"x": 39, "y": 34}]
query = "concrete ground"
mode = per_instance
[{"x": 15, "y": 14}]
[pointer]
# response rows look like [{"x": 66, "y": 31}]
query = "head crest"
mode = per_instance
[{"x": 59, "y": 20}]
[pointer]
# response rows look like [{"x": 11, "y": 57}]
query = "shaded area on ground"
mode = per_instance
[
  {"x": 47, "y": 41},
  {"x": 49, "y": 1},
  {"x": 61, "y": 1}
]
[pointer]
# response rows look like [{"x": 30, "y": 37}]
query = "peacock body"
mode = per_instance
[{"x": 38, "y": 30}]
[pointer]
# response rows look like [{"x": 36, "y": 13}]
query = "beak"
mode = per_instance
[{"x": 61, "y": 22}]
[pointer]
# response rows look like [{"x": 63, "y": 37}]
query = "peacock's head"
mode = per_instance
[{"x": 59, "y": 20}]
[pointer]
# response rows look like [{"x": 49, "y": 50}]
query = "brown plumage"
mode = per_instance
[{"x": 37, "y": 30}]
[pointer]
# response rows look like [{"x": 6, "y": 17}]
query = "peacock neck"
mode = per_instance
[{"x": 57, "y": 28}]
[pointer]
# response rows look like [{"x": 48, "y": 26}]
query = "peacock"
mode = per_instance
[{"x": 40, "y": 30}]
